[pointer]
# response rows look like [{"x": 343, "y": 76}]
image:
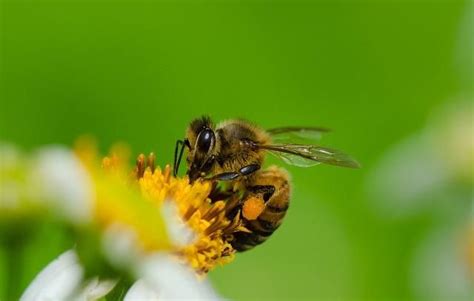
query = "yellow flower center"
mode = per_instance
[{"x": 205, "y": 217}]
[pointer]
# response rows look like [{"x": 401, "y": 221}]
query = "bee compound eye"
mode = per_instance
[{"x": 205, "y": 140}]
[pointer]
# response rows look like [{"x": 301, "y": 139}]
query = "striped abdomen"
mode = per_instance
[{"x": 272, "y": 216}]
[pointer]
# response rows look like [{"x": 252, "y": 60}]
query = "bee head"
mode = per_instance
[{"x": 202, "y": 141}]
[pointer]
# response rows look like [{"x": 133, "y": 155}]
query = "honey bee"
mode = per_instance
[{"x": 233, "y": 153}]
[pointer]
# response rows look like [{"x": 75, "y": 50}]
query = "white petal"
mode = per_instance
[
  {"x": 63, "y": 181},
  {"x": 95, "y": 289},
  {"x": 179, "y": 233},
  {"x": 140, "y": 290},
  {"x": 171, "y": 280},
  {"x": 120, "y": 245},
  {"x": 57, "y": 281}
]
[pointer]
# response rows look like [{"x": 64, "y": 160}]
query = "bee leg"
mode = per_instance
[
  {"x": 249, "y": 169},
  {"x": 232, "y": 175},
  {"x": 266, "y": 190},
  {"x": 226, "y": 176},
  {"x": 220, "y": 192},
  {"x": 178, "y": 156},
  {"x": 271, "y": 184}
]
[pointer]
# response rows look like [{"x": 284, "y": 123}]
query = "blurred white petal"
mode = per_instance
[
  {"x": 407, "y": 173},
  {"x": 140, "y": 290},
  {"x": 62, "y": 180},
  {"x": 95, "y": 290},
  {"x": 179, "y": 233},
  {"x": 164, "y": 278},
  {"x": 61, "y": 280},
  {"x": 121, "y": 246},
  {"x": 424, "y": 166},
  {"x": 57, "y": 281},
  {"x": 440, "y": 270}
]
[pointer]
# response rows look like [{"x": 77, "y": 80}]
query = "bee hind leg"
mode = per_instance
[
  {"x": 272, "y": 186},
  {"x": 267, "y": 191}
]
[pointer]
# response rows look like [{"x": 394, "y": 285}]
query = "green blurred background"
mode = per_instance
[{"x": 139, "y": 71}]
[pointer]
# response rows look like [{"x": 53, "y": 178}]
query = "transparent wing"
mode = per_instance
[
  {"x": 309, "y": 155},
  {"x": 299, "y": 135}
]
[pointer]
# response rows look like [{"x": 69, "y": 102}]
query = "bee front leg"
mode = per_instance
[
  {"x": 232, "y": 175},
  {"x": 249, "y": 169},
  {"x": 180, "y": 144},
  {"x": 226, "y": 176}
]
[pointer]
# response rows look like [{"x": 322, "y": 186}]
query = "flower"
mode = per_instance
[
  {"x": 136, "y": 222},
  {"x": 196, "y": 229},
  {"x": 187, "y": 206}
]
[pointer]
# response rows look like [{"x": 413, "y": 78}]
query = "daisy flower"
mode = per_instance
[{"x": 133, "y": 223}]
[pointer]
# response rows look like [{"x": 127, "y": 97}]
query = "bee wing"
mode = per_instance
[
  {"x": 309, "y": 155},
  {"x": 291, "y": 135}
]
